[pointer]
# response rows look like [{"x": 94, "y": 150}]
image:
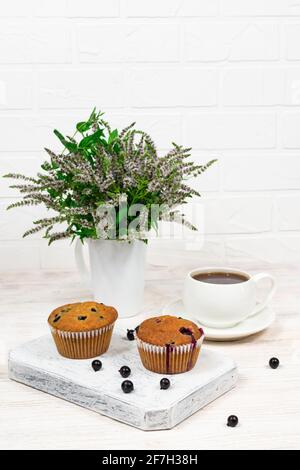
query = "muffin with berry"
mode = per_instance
[
  {"x": 82, "y": 330},
  {"x": 169, "y": 344}
]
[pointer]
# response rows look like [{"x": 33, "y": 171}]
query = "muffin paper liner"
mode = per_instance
[
  {"x": 82, "y": 344},
  {"x": 169, "y": 359}
]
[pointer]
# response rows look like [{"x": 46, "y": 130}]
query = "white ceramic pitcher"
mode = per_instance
[{"x": 117, "y": 273}]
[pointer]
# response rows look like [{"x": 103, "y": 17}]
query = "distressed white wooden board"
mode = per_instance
[{"x": 38, "y": 365}]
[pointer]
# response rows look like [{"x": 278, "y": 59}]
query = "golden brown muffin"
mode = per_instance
[
  {"x": 83, "y": 316},
  {"x": 82, "y": 330},
  {"x": 169, "y": 345},
  {"x": 168, "y": 330}
]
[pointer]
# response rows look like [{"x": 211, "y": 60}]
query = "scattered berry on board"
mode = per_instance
[
  {"x": 130, "y": 335},
  {"x": 125, "y": 371},
  {"x": 127, "y": 386},
  {"x": 165, "y": 383},
  {"x": 96, "y": 365}
]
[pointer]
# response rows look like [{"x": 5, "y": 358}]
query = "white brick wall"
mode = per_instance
[
  {"x": 231, "y": 41},
  {"x": 222, "y": 76}
]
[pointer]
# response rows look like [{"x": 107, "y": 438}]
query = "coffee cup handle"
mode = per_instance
[{"x": 257, "y": 278}]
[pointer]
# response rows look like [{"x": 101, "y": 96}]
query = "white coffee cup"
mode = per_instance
[{"x": 224, "y": 305}]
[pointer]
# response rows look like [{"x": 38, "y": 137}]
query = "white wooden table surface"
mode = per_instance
[{"x": 266, "y": 401}]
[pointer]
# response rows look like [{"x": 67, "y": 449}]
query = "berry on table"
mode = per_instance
[
  {"x": 232, "y": 421},
  {"x": 165, "y": 383},
  {"x": 96, "y": 365},
  {"x": 274, "y": 362},
  {"x": 127, "y": 386},
  {"x": 125, "y": 371},
  {"x": 130, "y": 335}
]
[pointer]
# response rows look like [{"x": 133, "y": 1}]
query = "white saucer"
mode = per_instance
[{"x": 258, "y": 322}]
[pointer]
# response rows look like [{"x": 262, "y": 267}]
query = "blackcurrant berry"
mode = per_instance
[
  {"x": 130, "y": 335},
  {"x": 165, "y": 383},
  {"x": 125, "y": 371},
  {"x": 96, "y": 365},
  {"x": 232, "y": 421},
  {"x": 274, "y": 362},
  {"x": 127, "y": 386}
]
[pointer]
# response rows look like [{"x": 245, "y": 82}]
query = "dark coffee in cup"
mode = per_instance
[
  {"x": 221, "y": 297},
  {"x": 220, "y": 278}
]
